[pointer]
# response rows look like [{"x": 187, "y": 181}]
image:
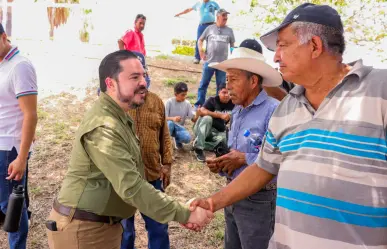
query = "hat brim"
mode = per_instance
[
  {"x": 270, "y": 38},
  {"x": 271, "y": 77}
]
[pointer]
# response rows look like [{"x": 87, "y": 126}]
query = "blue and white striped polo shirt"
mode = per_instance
[{"x": 331, "y": 165}]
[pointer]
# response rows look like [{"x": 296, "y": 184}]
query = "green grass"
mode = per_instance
[
  {"x": 170, "y": 82},
  {"x": 191, "y": 97},
  {"x": 42, "y": 114},
  {"x": 184, "y": 50},
  {"x": 162, "y": 57}
]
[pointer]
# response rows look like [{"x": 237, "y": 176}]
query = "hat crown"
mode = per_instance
[{"x": 242, "y": 52}]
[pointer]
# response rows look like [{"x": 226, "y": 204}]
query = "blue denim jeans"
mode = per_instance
[
  {"x": 250, "y": 222},
  {"x": 17, "y": 240},
  {"x": 207, "y": 74},
  {"x": 157, "y": 233},
  {"x": 180, "y": 133},
  {"x": 200, "y": 31}
]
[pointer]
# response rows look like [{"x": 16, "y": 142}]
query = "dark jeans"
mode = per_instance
[
  {"x": 207, "y": 74},
  {"x": 157, "y": 233},
  {"x": 200, "y": 31},
  {"x": 250, "y": 222},
  {"x": 17, "y": 240}
]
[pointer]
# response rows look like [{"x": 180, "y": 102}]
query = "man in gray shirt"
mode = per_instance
[
  {"x": 218, "y": 37},
  {"x": 177, "y": 110}
]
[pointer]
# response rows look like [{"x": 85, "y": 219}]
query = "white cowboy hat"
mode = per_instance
[{"x": 251, "y": 61}]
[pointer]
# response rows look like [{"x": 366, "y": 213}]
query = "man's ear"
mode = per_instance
[
  {"x": 254, "y": 81},
  {"x": 317, "y": 46},
  {"x": 109, "y": 83}
]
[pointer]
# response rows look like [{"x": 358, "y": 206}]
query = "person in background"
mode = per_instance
[
  {"x": 249, "y": 222},
  {"x": 156, "y": 152},
  {"x": 326, "y": 141},
  {"x": 219, "y": 38},
  {"x": 177, "y": 110},
  {"x": 210, "y": 128},
  {"x": 105, "y": 179},
  {"x": 18, "y": 119},
  {"x": 133, "y": 39},
  {"x": 206, "y": 10}
]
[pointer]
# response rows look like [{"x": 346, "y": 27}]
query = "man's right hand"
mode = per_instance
[
  {"x": 206, "y": 203},
  {"x": 177, "y": 119},
  {"x": 203, "y": 56},
  {"x": 213, "y": 166}
]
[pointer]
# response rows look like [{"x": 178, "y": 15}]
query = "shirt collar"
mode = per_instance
[
  {"x": 358, "y": 69},
  {"x": 107, "y": 101},
  {"x": 14, "y": 51},
  {"x": 262, "y": 96}
]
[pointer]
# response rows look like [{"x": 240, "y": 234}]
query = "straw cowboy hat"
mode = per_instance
[{"x": 248, "y": 56}]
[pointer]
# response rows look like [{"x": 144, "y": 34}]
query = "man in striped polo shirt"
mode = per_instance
[
  {"x": 326, "y": 142},
  {"x": 18, "y": 119}
]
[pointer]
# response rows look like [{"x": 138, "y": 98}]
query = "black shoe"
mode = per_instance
[{"x": 200, "y": 155}]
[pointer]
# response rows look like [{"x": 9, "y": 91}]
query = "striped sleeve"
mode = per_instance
[
  {"x": 24, "y": 80},
  {"x": 269, "y": 157}
]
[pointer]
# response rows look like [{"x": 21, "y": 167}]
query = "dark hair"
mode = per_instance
[
  {"x": 110, "y": 66},
  {"x": 260, "y": 78},
  {"x": 180, "y": 87},
  {"x": 222, "y": 86},
  {"x": 140, "y": 16}
]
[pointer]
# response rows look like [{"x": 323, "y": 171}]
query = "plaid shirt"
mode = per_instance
[{"x": 152, "y": 130}]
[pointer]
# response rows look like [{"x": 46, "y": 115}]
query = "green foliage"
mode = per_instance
[
  {"x": 184, "y": 50},
  {"x": 365, "y": 21},
  {"x": 162, "y": 57},
  {"x": 172, "y": 81}
]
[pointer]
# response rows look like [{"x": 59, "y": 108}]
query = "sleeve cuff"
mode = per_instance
[
  {"x": 272, "y": 168},
  {"x": 182, "y": 215}
]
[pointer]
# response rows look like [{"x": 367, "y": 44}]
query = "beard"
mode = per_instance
[{"x": 132, "y": 102}]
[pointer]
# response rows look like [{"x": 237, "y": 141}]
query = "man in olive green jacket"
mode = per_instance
[{"x": 105, "y": 180}]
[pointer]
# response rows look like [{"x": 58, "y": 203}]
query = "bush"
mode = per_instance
[{"x": 184, "y": 50}]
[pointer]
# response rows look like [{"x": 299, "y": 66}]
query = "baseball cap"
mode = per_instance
[
  {"x": 222, "y": 11},
  {"x": 251, "y": 44},
  {"x": 1, "y": 29},
  {"x": 307, "y": 12}
]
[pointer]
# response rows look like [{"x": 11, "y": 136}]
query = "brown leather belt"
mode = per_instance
[{"x": 84, "y": 215}]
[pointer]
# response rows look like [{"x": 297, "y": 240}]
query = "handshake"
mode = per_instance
[{"x": 202, "y": 212}]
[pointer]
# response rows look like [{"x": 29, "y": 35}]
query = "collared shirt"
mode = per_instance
[
  {"x": 152, "y": 129},
  {"x": 17, "y": 79},
  {"x": 331, "y": 165},
  {"x": 255, "y": 118},
  {"x": 106, "y": 172},
  {"x": 206, "y": 11},
  {"x": 134, "y": 41}
]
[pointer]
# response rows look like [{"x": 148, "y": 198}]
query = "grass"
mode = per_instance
[
  {"x": 162, "y": 57},
  {"x": 191, "y": 97},
  {"x": 184, "y": 50},
  {"x": 42, "y": 114},
  {"x": 170, "y": 82}
]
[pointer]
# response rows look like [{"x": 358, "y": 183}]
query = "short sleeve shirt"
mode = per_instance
[
  {"x": 206, "y": 11},
  {"x": 218, "y": 41},
  {"x": 331, "y": 165},
  {"x": 17, "y": 79}
]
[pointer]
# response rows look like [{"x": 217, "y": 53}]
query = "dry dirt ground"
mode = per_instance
[{"x": 59, "y": 117}]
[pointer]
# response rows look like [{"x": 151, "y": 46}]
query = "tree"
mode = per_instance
[{"x": 365, "y": 21}]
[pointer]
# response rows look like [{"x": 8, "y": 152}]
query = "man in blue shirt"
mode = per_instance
[
  {"x": 206, "y": 10},
  {"x": 249, "y": 222}
]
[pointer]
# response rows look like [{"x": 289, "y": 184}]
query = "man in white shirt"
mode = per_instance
[{"x": 18, "y": 119}]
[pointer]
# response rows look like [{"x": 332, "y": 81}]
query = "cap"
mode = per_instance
[
  {"x": 251, "y": 44},
  {"x": 1, "y": 29},
  {"x": 307, "y": 12},
  {"x": 246, "y": 133},
  {"x": 222, "y": 11}
]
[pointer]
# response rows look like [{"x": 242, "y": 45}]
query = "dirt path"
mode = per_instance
[{"x": 59, "y": 117}]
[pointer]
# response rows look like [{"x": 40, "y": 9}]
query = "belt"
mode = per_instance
[
  {"x": 267, "y": 187},
  {"x": 84, "y": 215}
]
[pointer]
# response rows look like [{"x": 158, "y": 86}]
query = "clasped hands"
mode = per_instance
[{"x": 202, "y": 212}]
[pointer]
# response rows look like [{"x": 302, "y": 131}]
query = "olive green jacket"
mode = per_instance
[{"x": 106, "y": 172}]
